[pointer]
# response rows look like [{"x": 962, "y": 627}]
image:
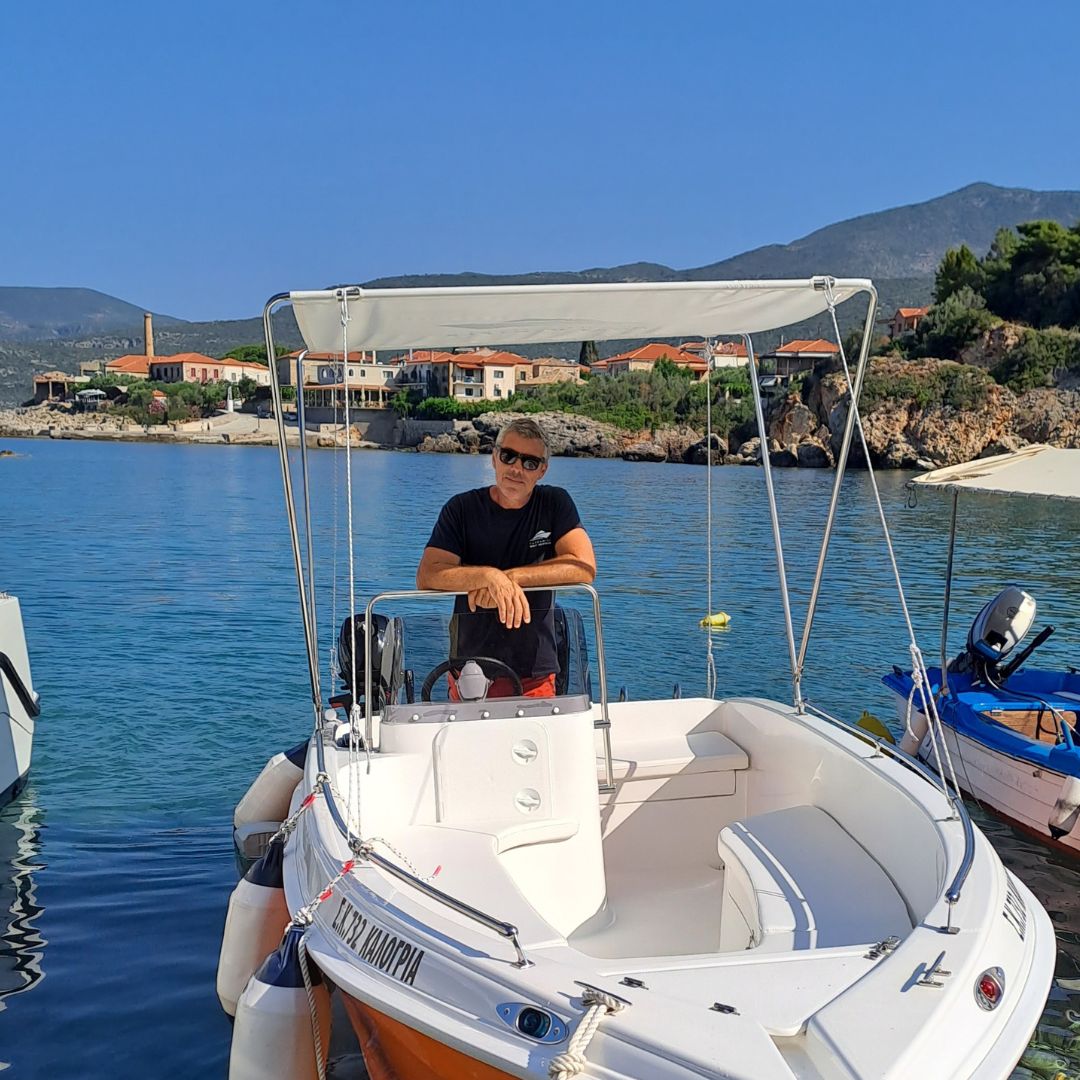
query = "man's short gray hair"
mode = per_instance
[{"x": 527, "y": 429}]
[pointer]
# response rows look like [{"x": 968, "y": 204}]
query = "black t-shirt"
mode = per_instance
[{"x": 481, "y": 533}]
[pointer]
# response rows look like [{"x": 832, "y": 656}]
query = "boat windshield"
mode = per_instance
[{"x": 420, "y": 653}]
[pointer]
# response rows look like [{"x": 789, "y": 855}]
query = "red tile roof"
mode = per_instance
[
  {"x": 819, "y": 345},
  {"x": 912, "y": 312},
  {"x": 656, "y": 350},
  {"x": 729, "y": 348},
  {"x": 130, "y": 365},
  {"x": 189, "y": 358}
]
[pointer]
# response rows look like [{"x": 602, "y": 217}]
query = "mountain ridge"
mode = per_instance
[{"x": 900, "y": 247}]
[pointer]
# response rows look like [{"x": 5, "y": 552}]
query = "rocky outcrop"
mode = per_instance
[
  {"x": 911, "y": 422},
  {"x": 799, "y": 437},
  {"x": 992, "y": 345}
]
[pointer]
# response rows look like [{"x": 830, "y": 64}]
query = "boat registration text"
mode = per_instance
[{"x": 375, "y": 945}]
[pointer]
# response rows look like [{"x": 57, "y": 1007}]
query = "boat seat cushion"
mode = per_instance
[
  {"x": 675, "y": 755},
  {"x": 799, "y": 881}
]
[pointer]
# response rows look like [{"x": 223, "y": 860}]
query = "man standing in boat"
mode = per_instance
[{"x": 494, "y": 542}]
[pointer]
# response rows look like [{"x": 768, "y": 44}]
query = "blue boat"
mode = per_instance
[{"x": 1008, "y": 733}]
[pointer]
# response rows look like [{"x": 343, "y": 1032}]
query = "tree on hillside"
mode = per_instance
[
  {"x": 588, "y": 355},
  {"x": 1033, "y": 274},
  {"x": 959, "y": 269},
  {"x": 667, "y": 367},
  {"x": 253, "y": 354},
  {"x": 952, "y": 324}
]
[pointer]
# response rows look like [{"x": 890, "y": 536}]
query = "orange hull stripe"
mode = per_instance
[{"x": 394, "y": 1051}]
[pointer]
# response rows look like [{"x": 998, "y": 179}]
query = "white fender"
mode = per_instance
[
  {"x": 911, "y": 742},
  {"x": 268, "y": 797},
  {"x": 1066, "y": 810},
  {"x": 272, "y": 1036},
  {"x": 256, "y": 920}
]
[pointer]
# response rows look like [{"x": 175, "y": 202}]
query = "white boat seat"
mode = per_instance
[
  {"x": 675, "y": 755},
  {"x": 508, "y": 837},
  {"x": 794, "y": 879}
]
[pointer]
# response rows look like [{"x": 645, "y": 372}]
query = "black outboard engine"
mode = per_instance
[
  {"x": 1001, "y": 625},
  {"x": 385, "y": 662}
]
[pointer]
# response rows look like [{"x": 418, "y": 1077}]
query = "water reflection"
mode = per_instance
[{"x": 21, "y": 944}]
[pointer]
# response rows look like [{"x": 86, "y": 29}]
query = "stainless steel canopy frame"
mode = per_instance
[{"x": 797, "y": 650}]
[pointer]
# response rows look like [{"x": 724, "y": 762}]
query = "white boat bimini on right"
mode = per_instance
[{"x": 544, "y": 888}]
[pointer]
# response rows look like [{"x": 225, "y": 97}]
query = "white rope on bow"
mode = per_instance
[{"x": 572, "y": 1060}]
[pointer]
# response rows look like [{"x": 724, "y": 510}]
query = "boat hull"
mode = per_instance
[
  {"x": 393, "y": 1050},
  {"x": 16, "y": 724},
  {"x": 1020, "y": 792}
]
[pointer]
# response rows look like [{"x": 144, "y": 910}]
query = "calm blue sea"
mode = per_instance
[{"x": 158, "y": 593}]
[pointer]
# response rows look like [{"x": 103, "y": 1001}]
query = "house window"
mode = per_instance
[
  {"x": 468, "y": 391},
  {"x": 499, "y": 374},
  {"x": 192, "y": 373},
  {"x": 217, "y": 373},
  {"x": 522, "y": 375},
  {"x": 363, "y": 373},
  {"x": 204, "y": 374},
  {"x": 351, "y": 373},
  {"x": 498, "y": 391}
]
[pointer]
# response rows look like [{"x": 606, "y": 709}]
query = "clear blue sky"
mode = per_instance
[{"x": 197, "y": 157}]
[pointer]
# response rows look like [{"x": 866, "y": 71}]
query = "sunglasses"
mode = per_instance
[{"x": 529, "y": 462}]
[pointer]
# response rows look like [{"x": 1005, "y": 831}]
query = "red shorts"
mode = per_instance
[{"x": 541, "y": 687}]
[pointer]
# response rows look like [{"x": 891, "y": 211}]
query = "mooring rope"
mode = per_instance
[
  {"x": 313, "y": 1009},
  {"x": 572, "y": 1060}
]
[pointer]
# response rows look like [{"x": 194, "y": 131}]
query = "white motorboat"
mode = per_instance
[
  {"x": 693, "y": 887},
  {"x": 18, "y": 702},
  {"x": 1010, "y": 730}
]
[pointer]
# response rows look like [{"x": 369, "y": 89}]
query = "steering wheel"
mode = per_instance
[{"x": 485, "y": 662}]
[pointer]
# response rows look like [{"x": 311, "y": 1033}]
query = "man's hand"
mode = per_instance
[{"x": 502, "y": 592}]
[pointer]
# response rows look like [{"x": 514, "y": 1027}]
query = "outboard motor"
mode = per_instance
[
  {"x": 1001, "y": 625},
  {"x": 387, "y": 647}
]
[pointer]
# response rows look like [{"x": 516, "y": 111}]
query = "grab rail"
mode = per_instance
[
  {"x": 364, "y": 851},
  {"x": 952, "y": 894},
  {"x": 30, "y": 701},
  {"x": 604, "y": 723}
]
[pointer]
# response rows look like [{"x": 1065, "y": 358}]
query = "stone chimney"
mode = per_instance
[{"x": 148, "y": 333}]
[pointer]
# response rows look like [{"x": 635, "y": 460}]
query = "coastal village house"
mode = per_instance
[
  {"x": 797, "y": 357},
  {"x": 546, "y": 370},
  {"x": 726, "y": 354},
  {"x": 906, "y": 320},
  {"x": 195, "y": 367},
  {"x": 370, "y": 383},
  {"x": 55, "y": 386},
  {"x": 646, "y": 357}
]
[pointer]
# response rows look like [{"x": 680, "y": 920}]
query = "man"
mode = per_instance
[{"x": 494, "y": 542}]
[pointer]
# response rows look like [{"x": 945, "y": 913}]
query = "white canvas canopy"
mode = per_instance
[
  {"x": 1040, "y": 471},
  {"x": 533, "y": 314}
]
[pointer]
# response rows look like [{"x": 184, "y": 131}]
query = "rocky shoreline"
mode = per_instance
[{"x": 903, "y": 430}]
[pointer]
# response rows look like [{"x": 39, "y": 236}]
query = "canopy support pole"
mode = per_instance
[
  {"x": 290, "y": 506},
  {"x": 775, "y": 518},
  {"x": 838, "y": 479}
]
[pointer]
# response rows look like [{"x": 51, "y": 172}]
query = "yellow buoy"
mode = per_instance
[
  {"x": 869, "y": 722},
  {"x": 721, "y": 618}
]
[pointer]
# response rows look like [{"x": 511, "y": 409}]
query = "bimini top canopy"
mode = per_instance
[
  {"x": 533, "y": 314},
  {"x": 1040, "y": 471}
]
